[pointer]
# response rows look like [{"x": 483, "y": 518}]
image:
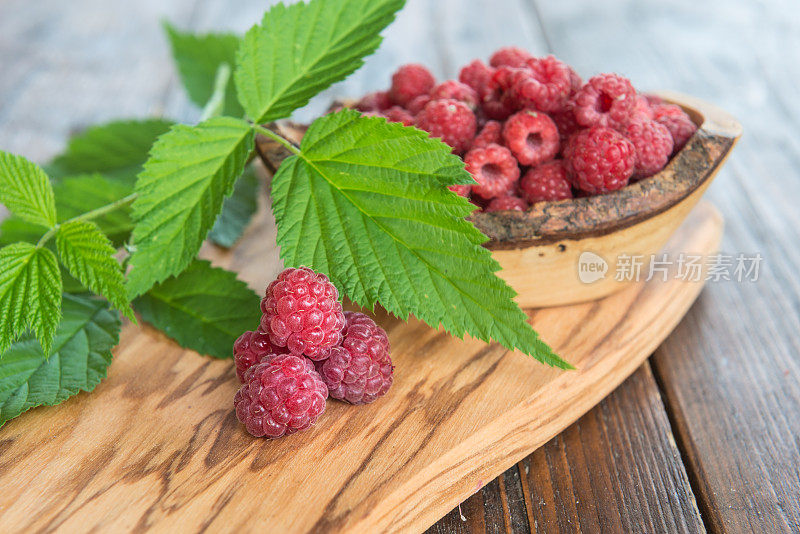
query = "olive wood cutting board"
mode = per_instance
[{"x": 157, "y": 445}]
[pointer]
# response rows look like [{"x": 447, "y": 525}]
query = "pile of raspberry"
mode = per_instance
[
  {"x": 530, "y": 130},
  {"x": 306, "y": 349}
]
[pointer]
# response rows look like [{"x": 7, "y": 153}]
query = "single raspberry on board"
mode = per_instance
[
  {"x": 605, "y": 100},
  {"x": 548, "y": 181},
  {"x": 507, "y": 203},
  {"x": 250, "y": 349},
  {"x": 455, "y": 90},
  {"x": 546, "y": 86},
  {"x": 478, "y": 76},
  {"x": 653, "y": 144},
  {"x": 494, "y": 168},
  {"x": 677, "y": 122},
  {"x": 491, "y": 133},
  {"x": 360, "y": 370},
  {"x": 280, "y": 396},
  {"x": 461, "y": 189},
  {"x": 599, "y": 160},
  {"x": 302, "y": 312},
  {"x": 416, "y": 105},
  {"x": 377, "y": 101},
  {"x": 409, "y": 82},
  {"x": 398, "y": 114},
  {"x": 509, "y": 56},
  {"x": 450, "y": 120},
  {"x": 532, "y": 137}
]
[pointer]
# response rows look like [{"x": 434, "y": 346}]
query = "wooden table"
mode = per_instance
[{"x": 705, "y": 435}]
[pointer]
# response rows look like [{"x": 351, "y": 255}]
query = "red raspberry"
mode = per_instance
[
  {"x": 654, "y": 100},
  {"x": 498, "y": 107},
  {"x": 641, "y": 110},
  {"x": 457, "y": 91},
  {"x": 494, "y": 168},
  {"x": 250, "y": 349},
  {"x": 599, "y": 160},
  {"x": 416, "y": 105},
  {"x": 653, "y": 144},
  {"x": 605, "y": 100},
  {"x": 477, "y": 75},
  {"x": 461, "y": 189},
  {"x": 360, "y": 370},
  {"x": 575, "y": 82},
  {"x": 677, "y": 122},
  {"x": 548, "y": 181},
  {"x": 491, "y": 133},
  {"x": 565, "y": 122},
  {"x": 377, "y": 101},
  {"x": 509, "y": 56},
  {"x": 398, "y": 114},
  {"x": 546, "y": 86},
  {"x": 532, "y": 137},
  {"x": 302, "y": 312},
  {"x": 410, "y": 81},
  {"x": 450, "y": 120},
  {"x": 507, "y": 203},
  {"x": 280, "y": 396}
]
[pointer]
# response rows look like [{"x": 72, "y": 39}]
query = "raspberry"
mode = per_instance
[
  {"x": 641, "y": 110},
  {"x": 498, "y": 107},
  {"x": 532, "y": 137},
  {"x": 605, "y": 100},
  {"x": 410, "y": 81},
  {"x": 575, "y": 82},
  {"x": 565, "y": 122},
  {"x": 653, "y": 144},
  {"x": 477, "y": 75},
  {"x": 494, "y": 168},
  {"x": 457, "y": 91},
  {"x": 491, "y": 133},
  {"x": 377, "y": 101},
  {"x": 548, "y": 181},
  {"x": 250, "y": 349},
  {"x": 280, "y": 396},
  {"x": 398, "y": 114},
  {"x": 450, "y": 120},
  {"x": 461, "y": 189},
  {"x": 677, "y": 122},
  {"x": 547, "y": 85},
  {"x": 302, "y": 312},
  {"x": 507, "y": 203},
  {"x": 509, "y": 56},
  {"x": 416, "y": 105},
  {"x": 360, "y": 370},
  {"x": 599, "y": 160}
]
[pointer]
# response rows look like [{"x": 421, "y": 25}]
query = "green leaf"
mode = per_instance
[
  {"x": 30, "y": 294},
  {"x": 81, "y": 354},
  {"x": 181, "y": 189},
  {"x": 204, "y": 309},
  {"x": 237, "y": 210},
  {"x": 89, "y": 257},
  {"x": 15, "y": 229},
  {"x": 25, "y": 190},
  {"x": 198, "y": 57},
  {"x": 366, "y": 202},
  {"x": 299, "y": 50},
  {"x": 116, "y": 149}
]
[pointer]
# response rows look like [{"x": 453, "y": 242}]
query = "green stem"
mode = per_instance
[
  {"x": 89, "y": 215},
  {"x": 277, "y": 137},
  {"x": 216, "y": 103}
]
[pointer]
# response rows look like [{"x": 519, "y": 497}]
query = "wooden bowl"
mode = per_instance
[{"x": 553, "y": 253}]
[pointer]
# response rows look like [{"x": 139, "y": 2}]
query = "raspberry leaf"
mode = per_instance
[
  {"x": 365, "y": 201},
  {"x": 181, "y": 189},
  {"x": 204, "y": 308},
  {"x": 299, "y": 50},
  {"x": 30, "y": 294},
  {"x": 116, "y": 149},
  {"x": 198, "y": 56},
  {"x": 89, "y": 257},
  {"x": 237, "y": 210},
  {"x": 81, "y": 354},
  {"x": 25, "y": 190}
]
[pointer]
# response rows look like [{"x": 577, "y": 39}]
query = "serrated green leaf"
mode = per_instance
[
  {"x": 116, "y": 149},
  {"x": 198, "y": 57},
  {"x": 81, "y": 354},
  {"x": 26, "y": 191},
  {"x": 299, "y": 50},
  {"x": 204, "y": 308},
  {"x": 237, "y": 210},
  {"x": 30, "y": 294},
  {"x": 89, "y": 257},
  {"x": 366, "y": 203},
  {"x": 181, "y": 189}
]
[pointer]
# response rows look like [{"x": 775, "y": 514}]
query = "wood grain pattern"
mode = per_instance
[{"x": 157, "y": 445}]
